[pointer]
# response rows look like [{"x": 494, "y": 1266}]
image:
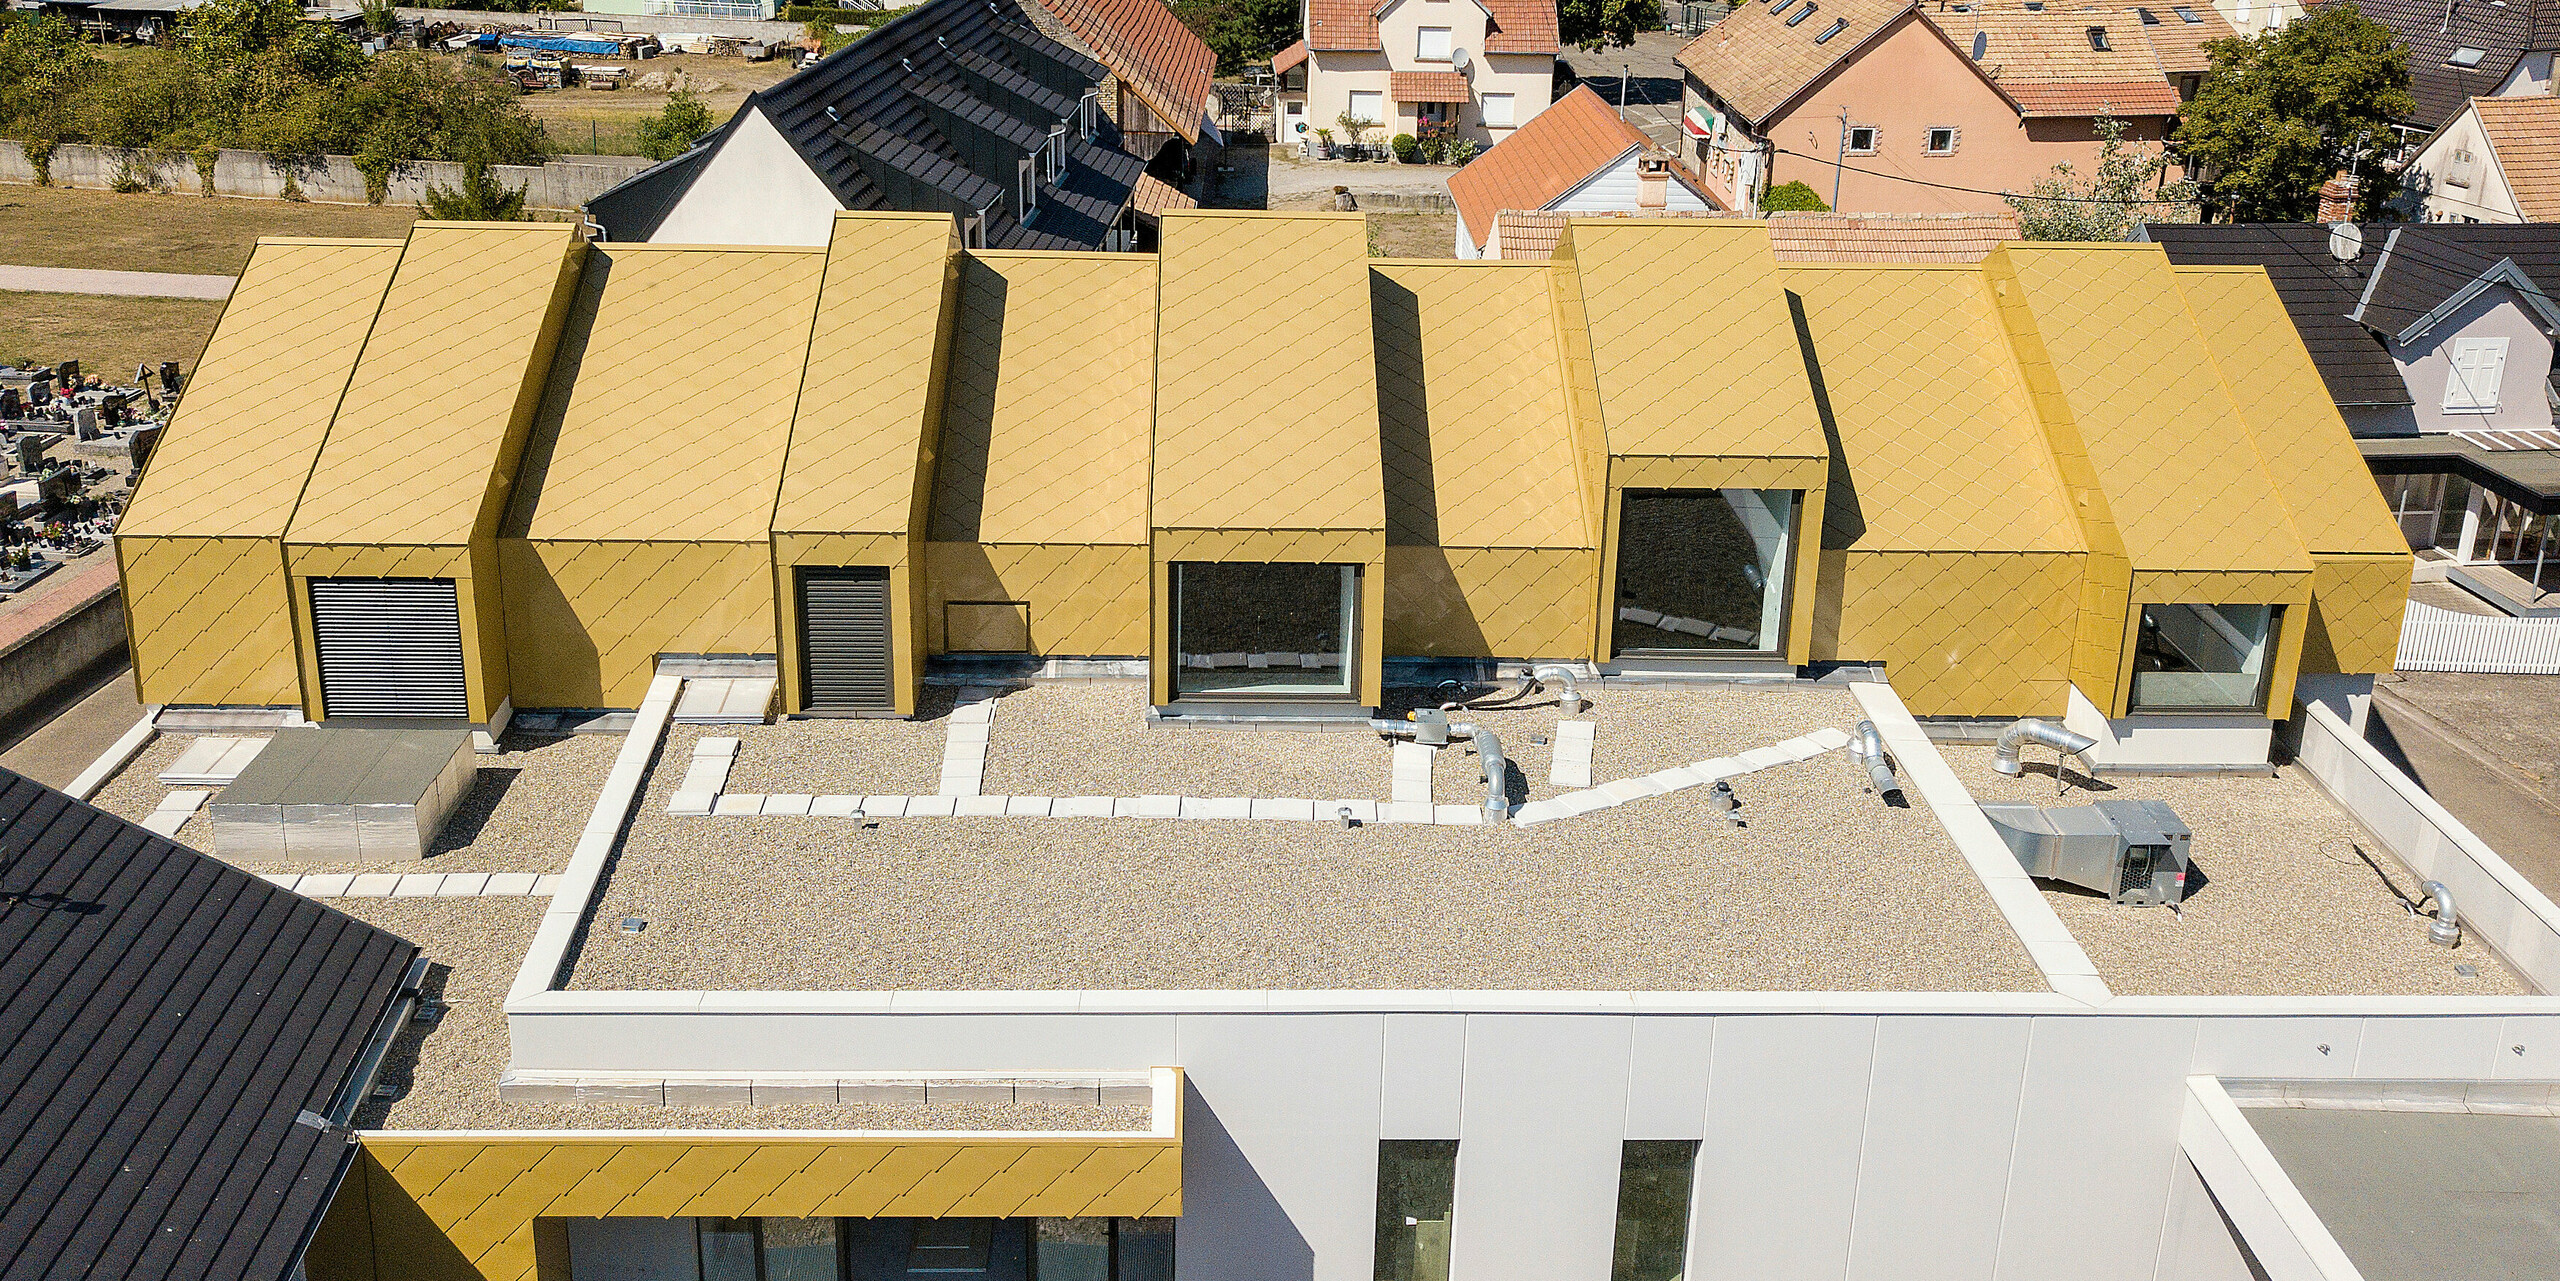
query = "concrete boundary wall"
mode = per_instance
[
  {"x": 2497, "y": 905},
  {"x": 561, "y": 184},
  {"x": 2285, "y": 1236},
  {"x": 40, "y": 664}
]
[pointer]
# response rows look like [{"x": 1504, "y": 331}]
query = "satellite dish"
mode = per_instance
[
  {"x": 1458, "y": 59},
  {"x": 2346, "y": 241}
]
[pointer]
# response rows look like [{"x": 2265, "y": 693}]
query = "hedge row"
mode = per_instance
[{"x": 842, "y": 17}]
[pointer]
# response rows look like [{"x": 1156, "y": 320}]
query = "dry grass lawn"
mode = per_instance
[
  {"x": 106, "y": 335},
  {"x": 606, "y": 122},
  {"x": 60, "y": 227},
  {"x": 1412, "y": 235}
]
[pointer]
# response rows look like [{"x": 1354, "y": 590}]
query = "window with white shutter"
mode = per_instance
[
  {"x": 1432, "y": 44},
  {"x": 2479, "y": 364}
]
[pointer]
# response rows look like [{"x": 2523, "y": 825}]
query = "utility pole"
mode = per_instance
[{"x": 1840, "y": 159}]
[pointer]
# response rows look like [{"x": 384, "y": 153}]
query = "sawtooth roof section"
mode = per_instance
[
  {"x": 424, "y": 442},
  {"x": 1148, "y": 48},
  {"x": 1473, "y": 423},
  {"x": 859, "y": 121},
  {"x": 1904, "y": 350},
  {"x": 2423, "y": 264},
  {"x": 858, "y": 442},
  {"x": 671, "y": 397},
  {"x": 1050, "y": 401},
  {"x": 2319, "y": 293},
  {"x": 2434, "y": 29},
  {"x": 165, "y": 1020},
  {"x": 2182, "y": 479},
  {"x": 1756, "y": 63},
  {"x": 1558, "y": 150},
  {"x": 2524, "y": 135},
  {"x": 1266, "y": 444},
  {"x": 1649, "y": 288},
  {"x": 2321, "y": 478},
  {"x": 241, "y": 447}
]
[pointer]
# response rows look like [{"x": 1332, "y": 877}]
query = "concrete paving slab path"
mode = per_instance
[{"x": 128, "y": 284}]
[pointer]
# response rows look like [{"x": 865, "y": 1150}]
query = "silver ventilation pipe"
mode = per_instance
[
  {"x": 1497, "y": 767},
  {"x": 1867, "y": 748},
  {"x": 1571, "y": 702},
  {"x": 2004, "y": 758},
  {"x": 2446, "y": 929}
]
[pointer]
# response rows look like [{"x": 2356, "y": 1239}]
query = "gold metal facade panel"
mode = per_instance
[
  {"x": 1575, "y": 366},
  {"x": 1472, "y": 418},
  {"x": 1046, "y": 421},
  {"x": 378, "y": 562},
  {"x": 1491, "y": 602},
  {"x": 902, "y": 555},
  {"x": 209, "y": 620},
  {"x": 1964, "y": 634},
  {"x": 2185, "y": 488},
  {"x": 2303, "y": 442},
  {"x": 2357, "y": 605},
  {"x": 1279, "y": 442},
  {"x": 1083, "y": 600},
  {"x": 235, "y": 458},
  {"x": 586, "y": 621},
  {"x": 1941, "y": 442},
  {"x": 440, "y": 400},
  {"x": 1339, "y": 547},
  {"x": 670, "y": 400},
  {"x": 1694, "y": 350},
  {"x": 1719, "y": 473},
  {"x": 861, "y": 444},
  {"x": 2210, "y": 588},
  {"x": 465, "y": 1208}
]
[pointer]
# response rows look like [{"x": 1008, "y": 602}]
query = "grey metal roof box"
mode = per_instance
[
  {"x": 2134, "y": 852},
  {"x": 332, "y": 794}
]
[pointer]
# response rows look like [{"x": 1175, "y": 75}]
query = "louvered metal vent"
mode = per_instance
[
  {"x": 844, "y": 640},
  {"x": 389, "y": 647}
]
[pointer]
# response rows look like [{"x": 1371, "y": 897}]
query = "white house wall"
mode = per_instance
[
  {"x": 756, "y": 190},
  {"x": 1331, "y": 77},
  {"x": 2484, "y": 199},
  {"x": 2523, "y": 402},
  {"x": 1614, "y": 188}
]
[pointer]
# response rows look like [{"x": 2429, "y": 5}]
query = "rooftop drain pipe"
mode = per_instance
[
  {"x": 2446, "y": 929},
  {"x": 2004, "y": 758},
  {"x": 1533, "y": 679},
  {"x": 1867, "y": 748},
  {"x": 1432, "y": 727}
]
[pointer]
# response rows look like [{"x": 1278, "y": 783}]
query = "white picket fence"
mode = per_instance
[{"x": 2440, "y": 640}]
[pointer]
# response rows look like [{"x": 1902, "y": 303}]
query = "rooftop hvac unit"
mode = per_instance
[{"x": 2134, "y": 852}]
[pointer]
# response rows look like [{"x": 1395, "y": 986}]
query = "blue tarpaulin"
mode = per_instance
[{"x": 561, "y": 43}]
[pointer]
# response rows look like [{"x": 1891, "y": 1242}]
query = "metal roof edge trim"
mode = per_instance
[
  {"x": 2503, "y": 272},
  {"x": 644, "y": 246},
  {"x": 343, "y": 242},
  {"x": 2374, "y": 277}
]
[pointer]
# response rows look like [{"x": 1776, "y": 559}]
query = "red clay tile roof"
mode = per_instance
[
  {"x": 1428, "y": 86},
  {"x": 1518, "y": 26},
  {"x": 1755, "y": 62},
  {"x": 2045, "y": 59},
  {"x": 1293, "y": 56},
  {"x": 1342, "y": 26},
  {"x": 1806, "y": 237},
  {"x": 2524, "y": 134},
  {"x": 1146, "y": 46},
  {"x": 1153, "y": 195},
  {"x": 1522, "y": 26},
  {"x": 1543, "y": 159}
]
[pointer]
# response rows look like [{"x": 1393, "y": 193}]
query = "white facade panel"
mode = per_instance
[
  {"x": 1538, "y": 1157},
  {"x": 1280, "y": 1168},
  {"x": 1667, "y": 1061},
  {"x": 2098, "y": 1120},
  {"x": 1778, "y": 1172},
  {"x": 2295, "y": 1047},
  {"x": 2434, "y": 1049},
  {"x": 1419, "y": 1091},
  {"x": 2196, "y": 1244},
  {"x": 756, "y": 190},
  {"x": 1942, "y": 1115},
  {"x": 2528, "y": 1048}
]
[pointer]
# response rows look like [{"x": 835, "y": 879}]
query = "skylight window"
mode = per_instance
[
  {"x": 2098, "y": 39},
  {"x": 2466, "y": 56},
  {"x": 1781, "y": 7},
  {"x": 1802, "y": 14},
  {"x": 2149, "y": 19},
  {"x": 1837, "y": 26},
  {"x": 2185, "y": 14},
  {"x": 2035, "y": 6}
]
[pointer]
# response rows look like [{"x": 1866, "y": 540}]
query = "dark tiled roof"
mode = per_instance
[
  {"x": 2423, "y": 264},
  {"x": 2433, "y": 30},
  {"x": 894, "y": 143},
  {"x": 164, "y": 1021},
  {"x": 2319, "y": 292}
]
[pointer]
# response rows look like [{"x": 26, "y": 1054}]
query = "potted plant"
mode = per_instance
[
  {"x": 1324, "y": 143},
  {"x": 1355, "y": 129}
]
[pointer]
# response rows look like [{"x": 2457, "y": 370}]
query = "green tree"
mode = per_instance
[
  {"x": 1597, "y": 24},
  {"x": 1241, "y": 32},
  {"x": 44, "y": 70},
  {"x": 2279, "y": 113},
  {"x": 668, "y": 134},
  {"x": 379, "y": 16},
  {"x": 479, "y": 198},
  {"x": 2124, "y": 192},
  {"x": 1792, "y": 197}
]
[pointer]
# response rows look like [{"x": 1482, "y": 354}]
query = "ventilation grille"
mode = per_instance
[
  {"x": 844, "y": 640},
  {"x": 389, "y": 647}
]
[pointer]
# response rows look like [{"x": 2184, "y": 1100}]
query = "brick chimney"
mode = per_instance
[
  {"x": 2338, "y": 198},
  {"x": 1653, "y": 182}
]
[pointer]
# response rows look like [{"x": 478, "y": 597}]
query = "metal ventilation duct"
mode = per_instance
[{"x": 2134, "y": 852}]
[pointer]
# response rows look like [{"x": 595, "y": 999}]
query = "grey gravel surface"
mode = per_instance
[
  {"x": 446, "y": 1076},
  {"x": 822, "y": 757},
  {"x": 1816, "y": 893},
  {"x": 2286, "y": 908},
  {"x": 523, "y": 813}
]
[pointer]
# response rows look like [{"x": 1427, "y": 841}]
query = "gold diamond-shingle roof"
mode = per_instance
[
  {"x": 2181, "y": 477},
  {"x": 858, "y": 444},
  {"x": 242, "y": 445},
  {"x": 1047, "y": 413},
  {"x": 418, "y": 453},
  {"x": 1472, "y": 416},
  {"x": 1906, "y": 354},
  {"x": 1693, "y": 348},
  {"x": 1279, "y": 440},
  {"x": 670, "y": 400},
  {"x": 2315, "y": 465}
]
